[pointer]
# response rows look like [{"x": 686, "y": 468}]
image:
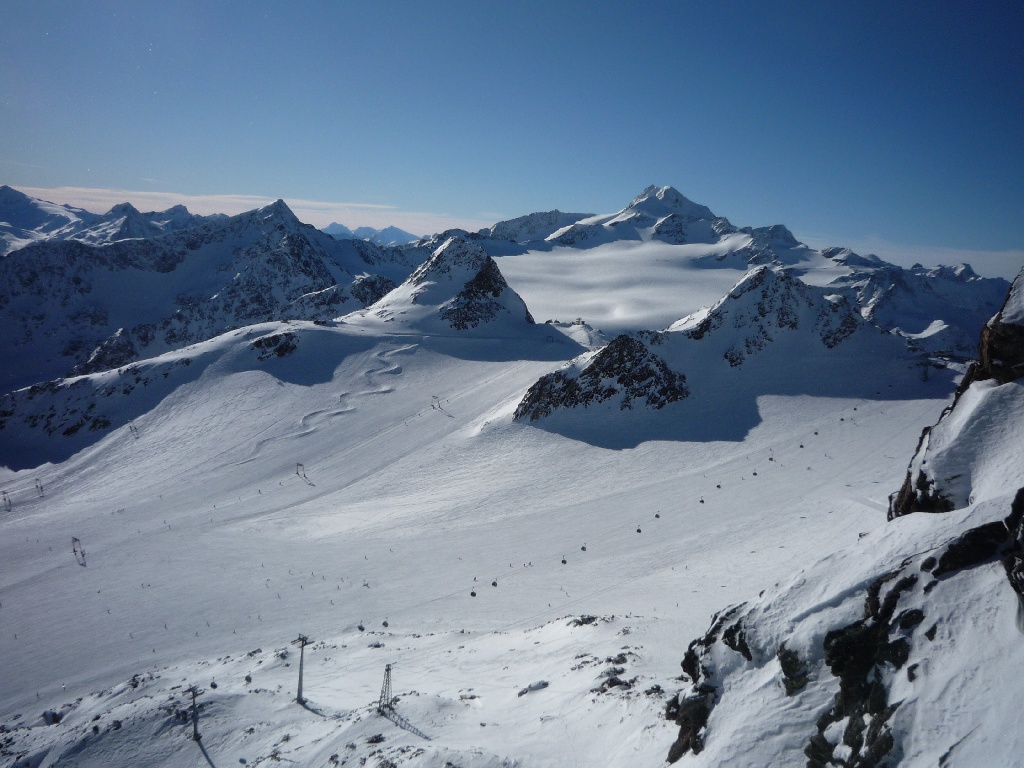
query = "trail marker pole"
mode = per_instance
[{"x": 302, "y": 642}]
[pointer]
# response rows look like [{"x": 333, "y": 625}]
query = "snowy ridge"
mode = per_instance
[
  {"x": 532, "y": 226},
  {"x": 77, "y": 307},
  {"x": 940, "y": 309},
  {"x": 24, "y": 219}
]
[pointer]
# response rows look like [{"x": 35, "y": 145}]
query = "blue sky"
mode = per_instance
[{"x": 897, "y": 128}]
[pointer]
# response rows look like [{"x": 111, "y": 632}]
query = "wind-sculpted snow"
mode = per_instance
[{"x": 844, "y": 667}]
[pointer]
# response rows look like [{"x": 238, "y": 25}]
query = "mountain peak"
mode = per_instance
[
  {"x": 661, "y": 201},
  {"x": 278, "y": 210},
  {"x": 123, "y": 209}
]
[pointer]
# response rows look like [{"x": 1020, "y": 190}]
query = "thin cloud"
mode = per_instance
[{"x": 319, "y": 213}]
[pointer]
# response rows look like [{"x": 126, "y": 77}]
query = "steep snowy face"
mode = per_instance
[
  {"x": 955, "y": 457},
  {"x": 659, "y": 202},
  {"x": 459, "y": 288},
  {"x": 74, "y": 306},
  {"x": 532, "y": 226}
]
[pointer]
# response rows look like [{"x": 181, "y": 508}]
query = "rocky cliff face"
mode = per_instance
[
  {"x": 935, "y": 482},
  {"x": 871, "y": 661}
]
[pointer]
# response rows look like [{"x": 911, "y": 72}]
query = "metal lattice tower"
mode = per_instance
[
  {"x": 385, "y": 705},
  {"x": 302, "y": 642}
]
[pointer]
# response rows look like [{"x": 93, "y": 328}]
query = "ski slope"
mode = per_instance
[{"x": 204, "y": 541}]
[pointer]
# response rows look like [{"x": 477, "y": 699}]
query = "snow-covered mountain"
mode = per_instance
[
  {"x": 459, "y": 287},
  {"x": 771, "y": 334},
  {"x": 900, "y": 650},
  {"x": 941, "y": 309},
  {"x": 25, "y": 219},
  {"x": 328, "y": 444},
  {"x": 79, "y": 307},
  {"x": 532, "y": 226},
  {"x": 388, "y": 237},
  {"x": 124, "y": 222}
]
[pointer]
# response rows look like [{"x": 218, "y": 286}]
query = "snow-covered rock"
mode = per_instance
[
  {"x": 770, "y": 333},
  {"x": 458, "y": 288},
  {"x": 940, "y": 309}
]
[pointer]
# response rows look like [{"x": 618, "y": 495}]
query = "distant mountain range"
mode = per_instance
[
  {"x": 389, "y": 236},
  {"x": 86, "y": 292}
]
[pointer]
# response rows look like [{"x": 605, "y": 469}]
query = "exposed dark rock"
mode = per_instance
[
  {"x": 795, "y": 675},
  {"x": 972, "y": 547},
  {"x": 736, "y": 639},
  {"x": 692, "y": 714},
  {"x": 626, "y": 367}
]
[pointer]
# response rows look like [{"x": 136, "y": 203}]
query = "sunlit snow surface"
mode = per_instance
[{"x": 204, "y": 540}]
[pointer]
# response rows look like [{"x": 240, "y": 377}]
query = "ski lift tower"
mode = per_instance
[{"x": 302, "y": 641}]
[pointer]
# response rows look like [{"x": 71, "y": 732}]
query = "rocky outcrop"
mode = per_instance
[
  {"x": 903, "y": 611},
  {"x": 1001, "y": 361},
  {"x": 626, "y": 369}
]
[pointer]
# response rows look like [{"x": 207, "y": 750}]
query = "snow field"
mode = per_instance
[{"x": 414, "y": 482}]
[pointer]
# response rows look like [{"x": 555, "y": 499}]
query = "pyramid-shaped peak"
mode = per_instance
[
  {"x": 277, "y": 210},
  {"x": 662, "y": 201},
  {"x": 454, "y": 259}
]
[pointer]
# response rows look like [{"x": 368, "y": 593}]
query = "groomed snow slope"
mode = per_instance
[{"x": 205, "y": 540}]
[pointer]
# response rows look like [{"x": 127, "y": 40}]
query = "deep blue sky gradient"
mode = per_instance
[{"x": 898, "y": 124}]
